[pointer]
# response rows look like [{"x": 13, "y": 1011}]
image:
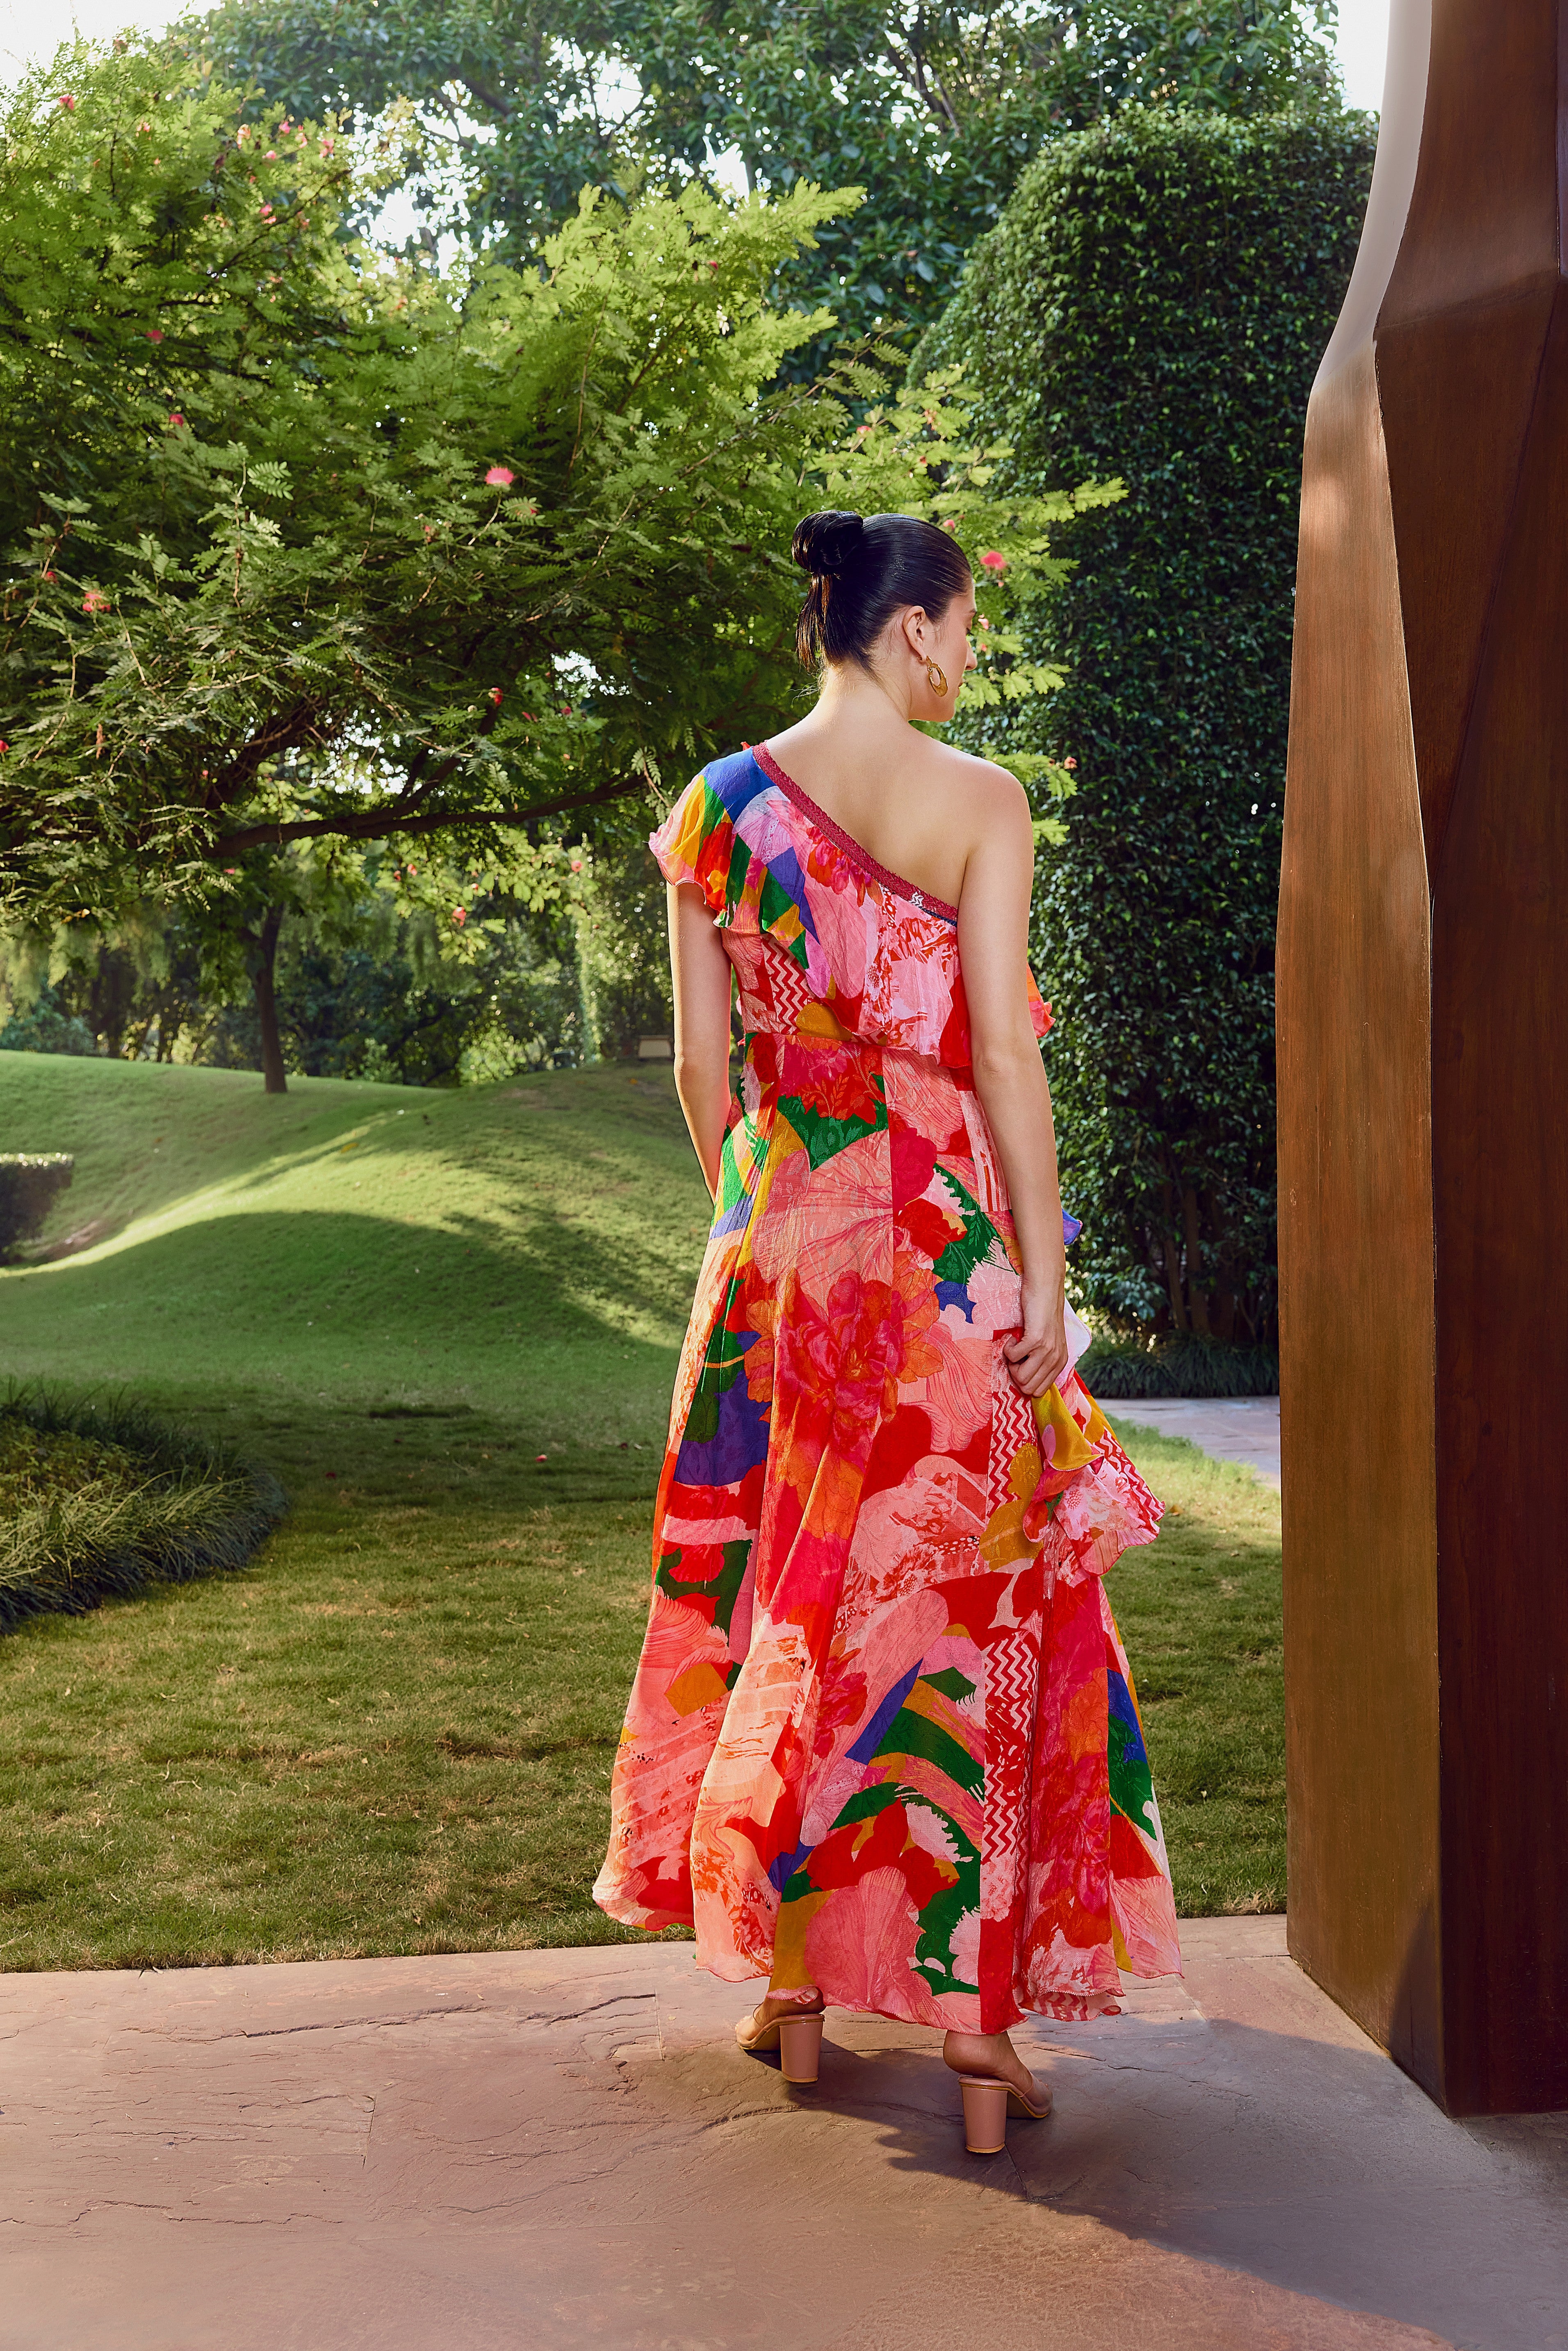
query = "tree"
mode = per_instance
[
  {"x": 339, "y": 962},
  {"x": 304, "y": 544},
  {"x": 1156, "y": 301},
  {"x": 931, "y": 109}
]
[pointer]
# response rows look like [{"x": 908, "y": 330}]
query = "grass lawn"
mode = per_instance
[{"x": 394, "y": 1731}]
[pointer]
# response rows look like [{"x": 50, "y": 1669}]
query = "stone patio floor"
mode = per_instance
[
  {"x": 553, "y": 2148},
  {"x": 1233, "y": 1428}
]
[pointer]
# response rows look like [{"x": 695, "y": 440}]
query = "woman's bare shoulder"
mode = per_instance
[{"x": 985, "y": 794}]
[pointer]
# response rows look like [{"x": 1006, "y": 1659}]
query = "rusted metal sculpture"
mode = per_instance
[{"x": 1424, "y": 1086}]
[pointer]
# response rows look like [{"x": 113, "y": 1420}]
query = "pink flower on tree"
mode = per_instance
[
  {"x": 993, "y": 561},
  {"x": 154, "y": 334},
  {"x": 69, "y": 102},
  {"x": 94, "y": 601},
  {"x": 500, "y": 477},
  {"x": 175, "y": 418},
  {"x": 460, "y": 915}
]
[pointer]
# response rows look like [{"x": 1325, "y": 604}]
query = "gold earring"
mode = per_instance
[{"x": 936, "y": 677}]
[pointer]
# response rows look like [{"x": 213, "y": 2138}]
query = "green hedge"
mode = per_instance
[
  {"x": 1154, "y": 305},
  {"x": 30, "y": 1181},
  {"x": 1122, "y": 1371}
]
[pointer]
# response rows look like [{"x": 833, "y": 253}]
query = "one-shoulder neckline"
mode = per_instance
[{"x": 925, "y": 900}]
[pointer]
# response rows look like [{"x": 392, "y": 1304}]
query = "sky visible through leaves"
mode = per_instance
[{"x": 33, "y": 29}]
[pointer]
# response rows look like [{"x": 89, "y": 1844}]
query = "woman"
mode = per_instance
[{"x": 882, "y": 1747}]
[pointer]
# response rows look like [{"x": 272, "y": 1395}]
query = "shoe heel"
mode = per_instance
[
  {"x": 799, "y": 2046},
  {"x": 985, "y": 2116}
]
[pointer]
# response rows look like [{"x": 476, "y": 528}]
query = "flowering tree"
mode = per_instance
[{"x": 302, "y": 545}]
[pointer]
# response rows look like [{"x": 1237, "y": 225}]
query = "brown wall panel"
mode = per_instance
[
  {"x": 1424, "y": 1085},
  {"x": 1457, "y": 391},
  {"x": 1484, "y": 213},
  {"x": 1356, "y": 1299},
  {"x": 1499, "y": 1048}
]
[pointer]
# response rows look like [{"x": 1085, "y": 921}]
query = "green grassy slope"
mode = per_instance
[{"x": 528, "y": 1248}]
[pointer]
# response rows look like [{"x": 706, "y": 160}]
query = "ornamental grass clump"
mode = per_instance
[
  {"x": 98, "y": 1502},
  {"x": 1124, "y": 1370}
]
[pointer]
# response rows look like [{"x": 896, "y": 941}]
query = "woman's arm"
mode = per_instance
[
  {"x": 701, "y": 976},
  {"x": 993, "y": 951}
]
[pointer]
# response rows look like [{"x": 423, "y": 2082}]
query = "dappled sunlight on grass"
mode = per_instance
[{"x": 531, "y": 1246}]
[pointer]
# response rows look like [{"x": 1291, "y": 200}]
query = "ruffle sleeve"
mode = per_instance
[{"x": 696, "y": 843}]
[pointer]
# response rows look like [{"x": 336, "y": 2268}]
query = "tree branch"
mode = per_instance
[
  {"x": 382, "y": 824},
  {"x": 287, "y": 730}
]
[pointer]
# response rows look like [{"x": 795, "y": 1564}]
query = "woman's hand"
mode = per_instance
[{"x": 1039, "y": 1359}]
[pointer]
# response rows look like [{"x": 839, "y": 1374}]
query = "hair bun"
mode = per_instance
[{"x": 825, "y": 544}]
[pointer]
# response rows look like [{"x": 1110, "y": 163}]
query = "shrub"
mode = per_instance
[
  {"x": 98, "y": 1499},
  {"x": 47, "y": 1027},
  {"x": 29, "y": 1184},
  {"x": 1152, "y": 305},
  {"x": 1117, "y": 1372}
]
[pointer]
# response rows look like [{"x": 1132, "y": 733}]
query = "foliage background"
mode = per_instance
[
  {"x": 931, "y": 109},
  {"x": 306, "y": 548},
  {"x": 1156, "y": 302},
  {"x": 273, "y": 620}
]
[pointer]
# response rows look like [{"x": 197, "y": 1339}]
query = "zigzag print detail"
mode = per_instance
[
  {"x": 1012, "y": 1427},
  {"x": 1011, "y": 1689},
  {"x": 788, "y": 988}
]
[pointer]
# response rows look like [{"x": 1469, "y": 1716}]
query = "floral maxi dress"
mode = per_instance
[{"x": 883, "y": 1740}]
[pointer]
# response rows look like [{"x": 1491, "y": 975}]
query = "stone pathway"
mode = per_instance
[
  {"x": 524, "y": 2152},
  {"x": 1233, "y": 1428}
]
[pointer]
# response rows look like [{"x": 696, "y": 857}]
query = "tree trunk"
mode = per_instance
[
  {"x": 1226, "y": 1310},
  {"x": 1196, "y": 1295},
  {"x": 263, "y": 961},
  {"x": 1172, "y": 1257}
]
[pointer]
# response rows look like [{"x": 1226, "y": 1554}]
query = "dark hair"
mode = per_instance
[{"x": 863, "y": 570}]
